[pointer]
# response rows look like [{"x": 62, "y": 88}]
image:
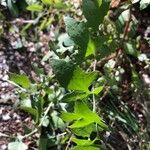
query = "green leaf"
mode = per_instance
[
  {"x": 45, "y": 121},
  {"x": 144, "y": 4},
  {"x": 21, "y": 79},
  {"x": 78, "y": 33},
  {"x": 91, "y": 48},
  {"x": 87, "y": 114},
  {"x": 82, "y": 116},
  {"x": 130, "y": 49},
  {"x": 31, "y": 111},
  {"x": 81, "y": 123},
  {"x": 94, "y": 11},
  {"x": 71, "y": 77},
  {"x": 82, "y": 142},
  {"x": 97, "y": 90},
  {"x": 17, "y": 146},
  {"x": 81, "y": 80},
  {"x": 85, "y": 148},
  {"x": 63, "y": 71},
  {"x": 12, "y": 8},
  {"x": 69, "y": 117},
  {"x": 47, "y": 2},
  {"x": 74, "y": 96},
  {"x": 84, "y": 131},
  {"x": 35, "y": 7},
  {"x": 57, "y": 121},
  {"x": 43, "y": 143}
]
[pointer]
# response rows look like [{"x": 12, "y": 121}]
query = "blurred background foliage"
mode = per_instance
[{"x": 117, "y": 48}]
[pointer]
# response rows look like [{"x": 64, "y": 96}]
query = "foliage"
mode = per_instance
[{"x": 85, "y": 93}]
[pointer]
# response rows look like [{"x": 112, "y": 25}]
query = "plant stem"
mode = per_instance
[{"x": 94, "y": 101}]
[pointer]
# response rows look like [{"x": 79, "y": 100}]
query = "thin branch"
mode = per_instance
[
  {"x": 68, "y": 143},
  {"x": 94, "y": 101}
]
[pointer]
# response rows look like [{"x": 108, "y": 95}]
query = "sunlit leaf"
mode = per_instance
[
  {"x": 82, "y": 116},
  {"x": 20, "y": 79},
  {"x": 81, "y": 80},
  {"x": 35, "y": 7},
  {"x": 84, "y": 131},
  {"x": 97, "y": 90},
  {"x": 74, "y": 96},
  {"x": 78, "y": 33},
  {"x": 17, "y": 146},
  {"x": 82, "y": 142},
  {"x": 91, "y": 48},
  {"x": 85, "y": 148},
  {"x": 47, "y": 2}
]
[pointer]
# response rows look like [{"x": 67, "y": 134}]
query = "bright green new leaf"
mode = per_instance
[
  {"x": 84, "y": 131},
  {"x": 87, "y": 114},
  {"x": 74, "y": 96},
  {"x": 43, "y": 143},
  {"x": 82, "y": 116},
  {"x": 97, "y": 90},
  {"x": 17, "y": 146},
  {"x": 47, "y": 2},
  {"x": 85, "y": 148},
  {"x": 81, "y": 80},
  {"x": 83, "y": 142},
  {"x": 81, "y": 123},
  {"x": 20, "y": 79},
  {"x": 69, "y": 117},
  {"x": 35, "y": 7},
  {"x": 91, "y": 48}
]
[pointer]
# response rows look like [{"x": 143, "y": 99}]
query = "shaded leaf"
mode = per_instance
[
  {"x": 31, "y": 111},
  {"x": 82, "y": 116},
  {"x": 130, "y": 49},
  {"x": 78, "y": 33},
  {"x": 12, "y": 8},
  {"x": 63, "y": 71},
  {"x": 47, "y": 2},
  {"x": 91, "y": 48},
  {"x": 94, "y": 11}
]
